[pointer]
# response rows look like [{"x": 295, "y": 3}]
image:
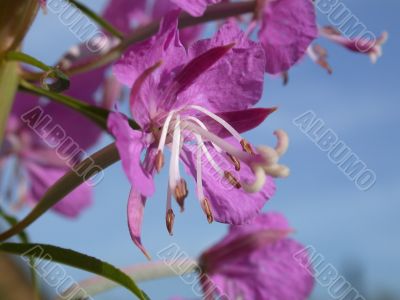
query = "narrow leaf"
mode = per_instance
[{"x": 74, "y": 259}]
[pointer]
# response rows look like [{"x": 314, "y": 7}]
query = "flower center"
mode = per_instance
[{"x": 182, "y": 128}]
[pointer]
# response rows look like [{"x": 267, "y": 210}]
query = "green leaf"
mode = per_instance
[
  {"x": 12, "y": 221},
  {"x": 66, "y": 184},
  {"x": 74, "y": 259},
  {"x": 8, "y": 88}
]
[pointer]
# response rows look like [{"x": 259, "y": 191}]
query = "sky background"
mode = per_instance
[{"x": 355, "y": 231}]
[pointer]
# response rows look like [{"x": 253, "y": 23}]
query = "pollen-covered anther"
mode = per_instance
[
  {"x": 169, "y": 220},
  {"x": 246, "y": 146},
  {"x": 180, "y": 193},
  {"x": 207, "y": 210},
  {"x": 235, "y": 161},
  {"x": 159, "y": 161},
  {"x": 232, "y": 180}
]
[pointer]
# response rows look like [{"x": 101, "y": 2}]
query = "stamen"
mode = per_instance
[
  {"x": 207, "y": 210},
  {"x": 246, "y": 146},
  {"x": 232, "y": 180},
  {"x": 169, "y": 220},
  {"x": 159, "y": 161},
  {"x": 180, "y": 193},
  {"x": 235, "y": 161},
  {"x": 221, "y": 121},
  {"x": 202, "y": 125},
  {"x": 200, "y": 194},
  {"x": 209, "y": 158},
  {"x": 164, "y": 131},
  {"x": 174, "y": 175}
]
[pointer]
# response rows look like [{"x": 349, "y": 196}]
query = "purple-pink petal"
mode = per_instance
[
  {"x": 136, "y": 204},
  {"x": 287, "y": 29},
  {"x": 194, "y": 7},
  {"x": 130, "y": 144},
  {"x": 236, "y": 81},
  {"x": 270, "y": 271}
]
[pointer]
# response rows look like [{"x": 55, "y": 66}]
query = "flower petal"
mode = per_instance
[
  {"x": 233, "y": 83},
  {"x": 194, "y": 7},
  {"x": 242, "y": 120},
  {"x": 130, "y": 144},
  {"x": 136, "y": 204},
  {"x": 121, "y": 12},
  {"x": 228, "y": 204},
  {"x": 287, "y": 29}
]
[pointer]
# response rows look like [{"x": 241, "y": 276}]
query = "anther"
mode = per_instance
[
  {"x": 159, "y": 161},
  {"x": 169, "y": 220},
  {"x": 180, "y": 193},
  {"x": 246, "y": 146},
  {"x": 207, "y": 210},
  {"x": 232, "y": 180},
  {"x": 235, "y": 161}
]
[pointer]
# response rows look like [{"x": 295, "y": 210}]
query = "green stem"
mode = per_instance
[
  {"x": 139, "y": 273},
  {"x": 97, "y": 19}
]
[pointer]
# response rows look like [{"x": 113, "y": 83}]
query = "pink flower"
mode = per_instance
[
  {"x": 371, "y": 47},
  {"x": 257, "y": 261},
  {"x": 196, "y": 102}
]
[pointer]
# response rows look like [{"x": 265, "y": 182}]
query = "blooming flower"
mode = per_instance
[
  {"x": 196, "y": 102},
  {"x": 371, "y": 47},
  {"x": 257, "y": 261}
]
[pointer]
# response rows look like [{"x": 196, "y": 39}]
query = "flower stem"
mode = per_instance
[
  {"x": 142, "y": 272},
  {"x": 97, "y": 19}
]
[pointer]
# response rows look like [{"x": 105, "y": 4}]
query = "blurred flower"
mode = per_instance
[
  {"x": 256, "y": 261},
  {"x": 196, "y": 102},
  {"x": 371, "y": 47},
  {"x": 287, "y": 28},
  {"x": 319, "y": 55}
]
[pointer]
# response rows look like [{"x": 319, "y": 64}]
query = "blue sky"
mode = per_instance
[{"x": 359, "y": 102}]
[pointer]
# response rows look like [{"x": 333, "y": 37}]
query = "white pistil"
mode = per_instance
[
  {"x": 283, "y": 142},
  {"x": 218, "y": 119},
  {"x": 258, "y": 182},
  {"x": 210, "y": 159},
  {"x": 174, "y": 174}
]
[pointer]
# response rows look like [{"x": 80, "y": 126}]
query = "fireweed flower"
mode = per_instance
[
  {"x": 196, "y": 102},
  {"x": 285, "y": 42},
  {"x": 371, "y": 47},
  {"x": 256, "y": 261}
]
